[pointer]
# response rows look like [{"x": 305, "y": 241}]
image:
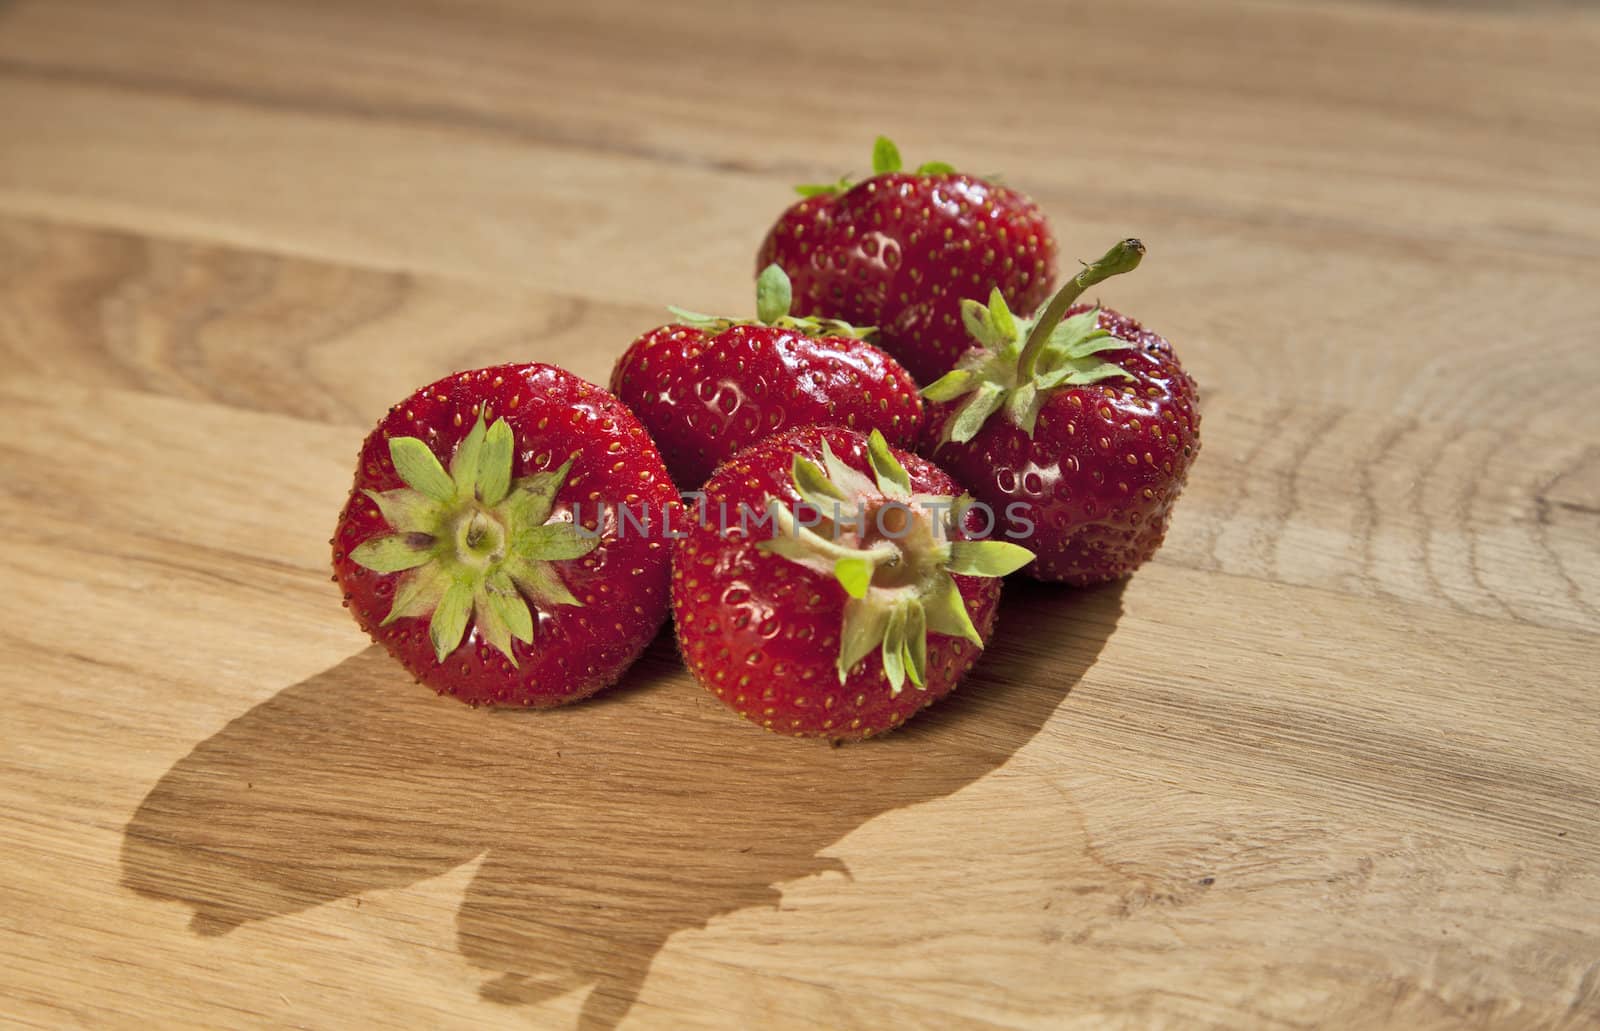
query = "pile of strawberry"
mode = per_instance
[{"x": 515, "y": 535}]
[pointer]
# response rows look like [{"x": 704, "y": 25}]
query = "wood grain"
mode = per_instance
[{"x": 1329, "y": 761}]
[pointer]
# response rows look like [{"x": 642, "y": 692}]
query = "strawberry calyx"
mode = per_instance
[
  {"x": 774, "y": 295},
  {"x": 892, "y": 550},
  {"x": 475, "y": 546},
  {"x": 1020, "y": 360},
  {"x": 885, "y": 161}
]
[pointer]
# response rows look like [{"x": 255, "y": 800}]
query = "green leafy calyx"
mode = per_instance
[
  {"x": 774, "y": 295},
  {"x": 1020, "y": 360},
  {"x": 892, "y": 550},
  {"x": 885, "y": 160},
  {"x": 475, "y": 546}
]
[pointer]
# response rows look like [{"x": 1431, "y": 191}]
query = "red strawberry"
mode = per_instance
[
  {"x": 902, "y": 249},
  {"x": 808, "y": 595},
  {"x": 708, "y": 386},
  {"x": 502, "y": 581},
  {"x": 1080, "y": 431}
]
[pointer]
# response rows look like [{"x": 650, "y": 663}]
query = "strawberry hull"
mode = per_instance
[
  {"x": 762, "y": 633},
  {"x": 618, "y": 588},
  {"x": 1103, "y": 467}
]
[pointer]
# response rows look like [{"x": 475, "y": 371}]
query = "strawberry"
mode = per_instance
[
  {"x": 1081, "y": 431},
  {"x": 824, "y": 590},
  {"x": 502, "y": 581},
  {"x": 708, "y": 386},
  {"x": 902, "y": 249}
]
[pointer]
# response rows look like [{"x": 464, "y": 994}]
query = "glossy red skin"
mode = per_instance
[
  {"x": 576, "y": 650},
  {"x": 705, "y": 396},
  {"x": 762, "y": 633},
  {"x": 1106, "y": 461},
  {"x": 900, "y": 251}
]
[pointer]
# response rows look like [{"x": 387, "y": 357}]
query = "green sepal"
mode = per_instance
[
  {"x": 951, "y": 385},
  {"x": 862, "y": 632},
  {"x": 979, "y": 326},
  {"x": 854, "y": 574},
  {"x": 936, "y": 168},
  {"x": 501, "y": 614},
  {"x": 987, "y": 558},
  {"x": 450, "y": 618},
  {"x": 1101, "y": 341},
  {"x": 1078, "y": 375},
  {"x": 885, "y": 156},
  {"x": 554, "y": 542},
  {"x": 969, "y": 419},
  {"x": 914, "y": 650},
  {"x": 773, "y": 294},
  {"x": 494, "y": 463},
  {"x": 946, "y": 613},
  {"x": 393, "y": 554},
  {"x": 699, "y": 320},
  {"x": 822, "y": 189},
  {"x": 533, "y": 498},
  {"x": 894, "y": 650},
  {"x": 1000, "y": 317},
  {"x": 892, "y": 477},
  {"x": 850, "y": 481},
  {"x": 899, "y": 631},
  {"x": 464, "y": 464},
  {"x": 420, "y": 468},
  {"x": 960, "y": 506},
  {"x": 539, "y": 582},
  {"x": 511, "y": 606},
  {"x": 407, "y": 510},
  {"x": 1023, "y": 405},
  {"x": 992, "y": 325},
  {"x": 1082, "y": 326},
  {"x": 813, "y": 485},
  {"x": 419, "y": 593}
]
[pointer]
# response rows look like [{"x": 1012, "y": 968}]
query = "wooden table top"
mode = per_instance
[{"x": 1330, "y": 759}]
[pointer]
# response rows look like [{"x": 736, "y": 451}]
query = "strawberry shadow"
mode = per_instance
[{"x": 605, "y": 827}]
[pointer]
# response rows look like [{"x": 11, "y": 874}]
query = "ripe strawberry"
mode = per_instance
[
  {"x": 902, "y": 249},
  {"x": 502, "y": 581},
  {"x": 1087, "y": 426},
  {"x": 708, "y": 386},
  {"x": 808, "y": 595}
]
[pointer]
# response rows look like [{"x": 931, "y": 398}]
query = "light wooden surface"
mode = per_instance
[{"x": 1331, "y": 760}]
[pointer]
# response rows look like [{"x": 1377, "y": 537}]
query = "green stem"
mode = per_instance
[{"x": 1124, "y": 257}]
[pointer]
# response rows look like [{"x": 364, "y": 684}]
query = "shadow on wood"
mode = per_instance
[{"x": 606, "y": 827}]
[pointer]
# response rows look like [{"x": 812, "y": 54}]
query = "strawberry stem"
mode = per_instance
[{"x": 1124, "y": 257}]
